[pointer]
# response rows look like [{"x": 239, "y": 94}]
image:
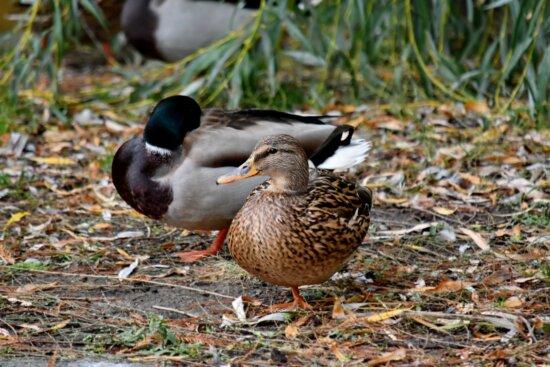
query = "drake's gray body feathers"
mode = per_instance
[
  {"x": 178, "y": 184},
  {"x": 199, "y": 203}
]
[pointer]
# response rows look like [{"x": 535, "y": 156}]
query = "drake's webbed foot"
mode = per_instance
[{"x": 192, "y": 256}]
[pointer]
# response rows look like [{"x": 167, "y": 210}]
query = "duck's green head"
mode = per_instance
[{"x": 171, "y": 119}]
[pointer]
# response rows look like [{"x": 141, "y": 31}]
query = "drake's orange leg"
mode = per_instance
[{"x": 192, "y": 256}]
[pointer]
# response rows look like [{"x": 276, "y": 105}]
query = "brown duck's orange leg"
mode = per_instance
[
  {"x": 192, "y": 256},
  {"x": 298, "y": 302}
]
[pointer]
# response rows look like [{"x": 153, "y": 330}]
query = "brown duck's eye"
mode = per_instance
[{"x": 272, "y": 151}]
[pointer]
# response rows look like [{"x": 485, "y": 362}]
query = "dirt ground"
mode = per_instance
[{"x": 454, "y": 270}]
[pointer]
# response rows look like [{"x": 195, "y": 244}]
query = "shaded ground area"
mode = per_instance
[{"x": 454, "y": 271}]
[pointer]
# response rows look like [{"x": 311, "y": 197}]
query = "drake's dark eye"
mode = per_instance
[{"x": 272, "y": 151}]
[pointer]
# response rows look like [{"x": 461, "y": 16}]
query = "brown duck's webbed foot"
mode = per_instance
[
  {"x": 192, "y": 256},
  {"x": 298, "y": 303}
]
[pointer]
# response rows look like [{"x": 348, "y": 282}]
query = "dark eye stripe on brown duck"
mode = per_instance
[
  {"x": 170, "y": 173},
  {"x": 267, "y": 152}
]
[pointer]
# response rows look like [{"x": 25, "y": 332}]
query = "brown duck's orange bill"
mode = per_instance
[{"x": 239, "y": 173}]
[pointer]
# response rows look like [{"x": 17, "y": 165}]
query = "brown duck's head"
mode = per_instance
[{"x": 281, "y": 158}]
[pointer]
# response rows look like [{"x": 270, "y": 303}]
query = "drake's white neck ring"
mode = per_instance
[{"x": 157, "y": 150}]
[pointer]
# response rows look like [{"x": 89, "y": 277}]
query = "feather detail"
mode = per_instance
[
  {"x": 309, "y": 236},
  {"x": 157, "y": 150},
  {"x": 347, "y": 156}
]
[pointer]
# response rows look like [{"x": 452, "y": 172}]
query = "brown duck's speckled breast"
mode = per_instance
[{"x": 294, "y": 240}]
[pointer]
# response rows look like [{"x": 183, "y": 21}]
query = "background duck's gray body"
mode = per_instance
[
  {"x": 173, "y": 29},
  {"x": 198, "y": 202}
]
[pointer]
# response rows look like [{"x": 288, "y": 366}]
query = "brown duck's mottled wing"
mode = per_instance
[
  {"x": 338, "y": 209},
  {"x": 338, "y": 196}
]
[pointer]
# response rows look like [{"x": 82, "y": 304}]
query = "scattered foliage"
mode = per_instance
[{"x": 346, "y": 50}]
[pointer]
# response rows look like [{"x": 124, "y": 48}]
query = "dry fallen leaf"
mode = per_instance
[
  {"x": 338, "y": 352},
  {"x": 400, "y": 232},
  {"x": 443, "y": 211},
  {"x": 124, "y": 254},
  {"x": 151, "y": 339},
  {"x": 52, "y": 361},
  {"x": 338, "y": 311},
  {"x": 6, "y": 255},
  {"x": 32, "y": 327},
  {"x": 513, "y": 302},
  {"x": 450, "y": 286},
  {"x": 479, "y": 241},
  {"x": 54, "y": 161},
  {"x": 185, "y": 271},
  {"x": 238, "y": 307},
  {"x": 291, "y": 331},
  {"x": 20, "y": 301},
  {"x": 395, "y": 355},
  {"x": 15, "y": 217},
  {"x": 31, "y": 288},
  {"x": 479, "y": 107},
  {"x": 377, "y": 317},
  {"x": 60, "y": 325},
  {"x": 356, "y": 121},
  {"x": 491, "y": 134},
  {"x": 100, "y": 226},
  {"x": 125, "y": 273}
]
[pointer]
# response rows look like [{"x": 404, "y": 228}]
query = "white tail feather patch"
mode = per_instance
[{"x": 348, "y": 156}]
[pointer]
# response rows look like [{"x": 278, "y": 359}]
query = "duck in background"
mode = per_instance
[
  {"x": 300, "y": 226},
  {"x": 169, "y": 30},
  {"x": 170, "y": 172}
]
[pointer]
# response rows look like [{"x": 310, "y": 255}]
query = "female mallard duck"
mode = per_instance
[
  {"x": 169, "y": 30},
  {"x": 300, "y": 226},
  {"x": 170, "y": 173}
]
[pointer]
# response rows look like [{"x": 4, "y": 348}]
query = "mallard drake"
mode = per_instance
[
  {"x": 169, "y": 30},
  {"x": 301, "y": 225},
  {"x": 170, "y": 172}
]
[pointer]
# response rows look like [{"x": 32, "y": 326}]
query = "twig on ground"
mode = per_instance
[
  {"x": 173, "y": 310},
  {"x": 132, "y": 280}
]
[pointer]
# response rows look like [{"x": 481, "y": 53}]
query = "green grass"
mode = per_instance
[
  {"x": 19, "y": 189},
  {"x": 166, "y": 341},
  {"x": 6, "y": 351},
  {"x": 5, "y": 181},
  {"x": 106, "y": 162},
  {"x": 351, "y": 51},
  {"x": 29, "y": 266},
  {"x": 538, "y": 217}
]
